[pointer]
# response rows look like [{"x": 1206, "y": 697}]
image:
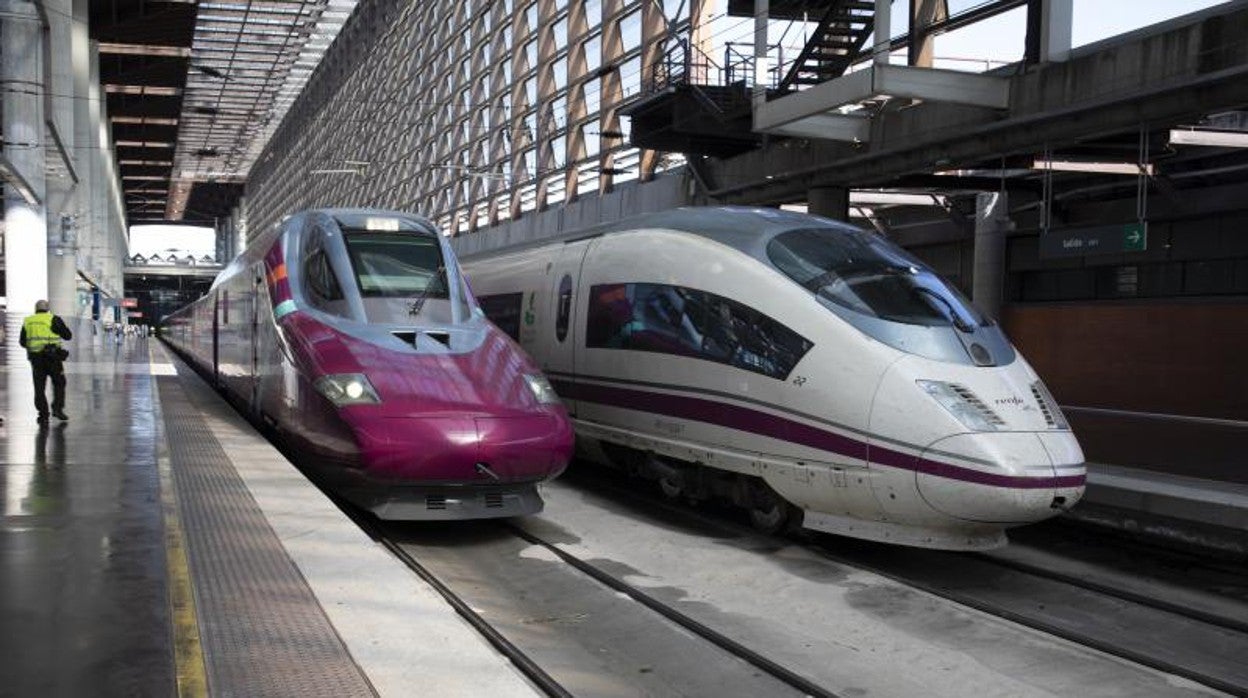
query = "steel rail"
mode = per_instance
[
  {"x": 988, "y": 607},
  {"x": 1126, "y": 595},
  {"x": 716, "y": 638},
  {"x": 514, "y": 654}
]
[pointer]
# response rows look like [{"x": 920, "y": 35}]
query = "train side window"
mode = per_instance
[
  {"x": 320, "y": 277},
  {"x": 563, "y": 315},
  {"x": 688, "y": 322},
  {"x": 504, "y": 310}
]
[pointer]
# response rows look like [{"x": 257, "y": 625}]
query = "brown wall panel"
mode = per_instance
[{"x": 1184, "y": 358}]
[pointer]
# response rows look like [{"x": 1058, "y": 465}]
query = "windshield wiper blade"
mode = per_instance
[
  {"x": 418, "y": 303},
  {"x": 958, "y": 321}
]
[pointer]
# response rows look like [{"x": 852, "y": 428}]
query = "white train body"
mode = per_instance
[{"x": 748, "y": 341}]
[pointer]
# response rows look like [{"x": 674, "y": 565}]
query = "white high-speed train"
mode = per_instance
[{"x": 797, "y": 366}]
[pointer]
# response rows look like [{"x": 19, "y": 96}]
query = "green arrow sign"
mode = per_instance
[{"x": 1135, "y": 237}]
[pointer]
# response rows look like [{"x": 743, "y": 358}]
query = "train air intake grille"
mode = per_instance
[
  {"x": 1052, "y": 413},
  {"x": 493, "y": 500},
  {"x": 435, "y": 502},
  {"x": 973, "y": 400}
]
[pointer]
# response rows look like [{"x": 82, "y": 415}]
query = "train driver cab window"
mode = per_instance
[
  {"x": 397, "y": 264},
  {"x": 864, "y": 273}
]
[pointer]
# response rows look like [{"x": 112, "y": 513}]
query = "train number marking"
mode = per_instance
[{"x": 799, "y": 381}]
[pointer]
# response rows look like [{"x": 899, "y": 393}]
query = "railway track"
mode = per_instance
[
  {"x": 1181, "y": 629},
  {"x": 514, "y": 611}
]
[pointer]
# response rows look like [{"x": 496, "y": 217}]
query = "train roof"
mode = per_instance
[
  {"x": 343, "y": 217},
  {"x": 744, "y": 228}
]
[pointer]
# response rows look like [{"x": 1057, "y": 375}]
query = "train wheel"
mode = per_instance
[
  {"x": 672, "y": 488},
  {"x": 768, "y": 511}
]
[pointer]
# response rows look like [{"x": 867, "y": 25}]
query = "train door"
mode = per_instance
[
  {"x": 220, "y": 309},
  {"x": 257, "y": 289},
  {"x": 565, "y": 333}
]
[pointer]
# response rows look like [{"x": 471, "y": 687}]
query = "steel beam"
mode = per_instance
[{"x": 792, "y": 114}]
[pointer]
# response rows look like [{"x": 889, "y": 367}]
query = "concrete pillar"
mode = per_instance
[
  {"x": 883, "y": 30},
  {"x": 1049, "y": 30},
  {"x": 62, "y": 187},
  {"x": 992, "y": 223},
  {"x": 25, "y": 221},
  {"x": 829, "y": 202},
  {"x": 923, "y": 14},
  {"x": 85, "y": 155},
  {"x": 762, "y": 8}
]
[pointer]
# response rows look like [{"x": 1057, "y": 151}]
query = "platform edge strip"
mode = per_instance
[{"x": 188, "y": 655}]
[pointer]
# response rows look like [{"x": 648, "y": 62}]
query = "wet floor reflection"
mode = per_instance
[{"x": 82, "y": 561}]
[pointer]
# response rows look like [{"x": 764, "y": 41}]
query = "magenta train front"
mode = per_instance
[{"x": 353, "y": 334}]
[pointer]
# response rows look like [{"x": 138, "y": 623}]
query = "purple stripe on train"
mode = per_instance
[{"x": 765, "y": 424}]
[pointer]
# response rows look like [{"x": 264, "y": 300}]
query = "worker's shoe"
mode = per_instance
[{"x": 61, "y": 416}]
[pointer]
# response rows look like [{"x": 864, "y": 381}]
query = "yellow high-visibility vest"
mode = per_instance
[{"x": 39, "y": 334}]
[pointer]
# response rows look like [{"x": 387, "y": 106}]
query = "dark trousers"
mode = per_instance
[{"x": 42, "y": 367}]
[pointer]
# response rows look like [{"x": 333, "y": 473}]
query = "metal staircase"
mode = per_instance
[{"x": 835, "y": 44}]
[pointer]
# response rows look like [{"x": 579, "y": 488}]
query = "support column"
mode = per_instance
[
  {"x": 883, "y": 30},
  {"x": 923, "y": 14},
  {"x": 1048, "y": 30},
  {"x": 25, "y": 216},
  {"x": 829, "y": 202},
  {"x": 992, "y": 224},
  {"x": 762, "y": 9},
  {"x": 63, "y": 200}
]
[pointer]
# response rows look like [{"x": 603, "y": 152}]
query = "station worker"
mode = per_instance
[{"x": 41, "y": 335}]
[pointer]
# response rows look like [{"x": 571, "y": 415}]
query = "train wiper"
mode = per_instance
[
  {"x": 958, "y": 321},
  {"x": 419, "y": 301}
]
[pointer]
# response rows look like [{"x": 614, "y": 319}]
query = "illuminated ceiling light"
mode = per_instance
[
  {"x": 143, "y": 120},
  {"x": 1122, "y": 168},
  {"x": 148, "y": 90},
  {"x": 884, "y": 198},
  {"x": 144, "y": 144},
  {"x": 145, "y": 50},
  {"x": 1207, "y": 137}
]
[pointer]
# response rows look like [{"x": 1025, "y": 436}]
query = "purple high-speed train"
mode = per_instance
[{"x": 354, "y": 335}]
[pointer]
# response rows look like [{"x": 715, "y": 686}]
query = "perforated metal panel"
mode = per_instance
[{"x": 262, "y": 630}]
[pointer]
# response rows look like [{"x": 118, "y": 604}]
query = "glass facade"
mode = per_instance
[{"x": 470, "y": 113}]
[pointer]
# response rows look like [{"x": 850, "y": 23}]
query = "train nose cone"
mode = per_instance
[
  {"x": 1003, "y": 478},
  {"x": 435, "y": 448},
  {"x": 524, "y": 447}
]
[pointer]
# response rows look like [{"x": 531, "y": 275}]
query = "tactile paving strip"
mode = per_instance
[{"x": 262, "y": 630}]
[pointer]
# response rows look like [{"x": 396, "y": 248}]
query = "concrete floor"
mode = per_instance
[{"x": 82, "y": 560}]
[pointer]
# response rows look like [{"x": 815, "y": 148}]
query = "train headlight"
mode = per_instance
[
  {"x": 348, "y": 389},
  {"x": 960, "y": 402},
  {"x": 541, "y": 388}
]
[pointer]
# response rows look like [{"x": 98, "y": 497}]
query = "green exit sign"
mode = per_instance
[
  {"x": 1135, "y": 237},
  {"x": 1083, "y": 241}
]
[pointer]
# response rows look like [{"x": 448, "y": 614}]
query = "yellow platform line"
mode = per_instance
[{"x": 188, "y": 654}]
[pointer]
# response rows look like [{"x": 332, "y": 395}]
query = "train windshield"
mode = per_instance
[
  {"x": 392, "y": 264},
  {"x": 864, "y": 273}
]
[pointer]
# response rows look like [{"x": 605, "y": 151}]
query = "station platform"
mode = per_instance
[
  {"x": 1177, "y": 510},
  {"x": 154, "y": 544}
]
